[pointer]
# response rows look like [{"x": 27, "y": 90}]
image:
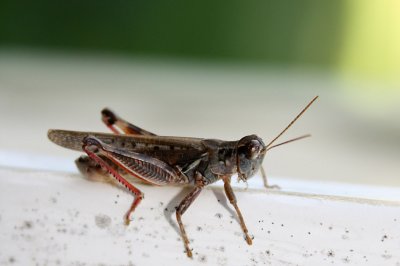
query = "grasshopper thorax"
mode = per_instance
[{"x": 250, "y": 155}]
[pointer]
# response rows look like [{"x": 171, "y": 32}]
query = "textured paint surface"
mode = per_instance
[{"x": 49, "y": 218}]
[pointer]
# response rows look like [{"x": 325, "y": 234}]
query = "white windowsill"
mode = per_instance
[{"x": 58, "y": 217}]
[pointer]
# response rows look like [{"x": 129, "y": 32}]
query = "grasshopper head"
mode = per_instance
[
  {"x": 251, "y": 149},
  {"x": 250, "y": 154}
]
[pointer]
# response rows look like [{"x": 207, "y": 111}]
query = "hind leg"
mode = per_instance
[
  {"x": 93, "y": 171},
  {"x": 94, "y": 149},
  {"x": 90, "y": 168},
  {"x": 117, "y": 124}
]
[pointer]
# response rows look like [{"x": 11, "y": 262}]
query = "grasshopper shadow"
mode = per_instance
[
  {"x": 170, "y": 210},
  {"x": 221, "y": 198}
]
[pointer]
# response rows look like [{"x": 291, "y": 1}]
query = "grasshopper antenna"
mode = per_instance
[
  {"x": 288, "y": 141},
  {"x": 288, "y": 126}
]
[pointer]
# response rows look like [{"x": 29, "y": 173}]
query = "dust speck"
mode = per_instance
[
  {"x": 28, "y": 225},
  {"x": 218, "y": 215},
  {"x": 102, "y": 221},
  {"x": 203, "y": 258},
  {"x": 53, "y": 200}
]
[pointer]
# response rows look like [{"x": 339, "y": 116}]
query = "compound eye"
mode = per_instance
[{"x": 254, "y": 149}]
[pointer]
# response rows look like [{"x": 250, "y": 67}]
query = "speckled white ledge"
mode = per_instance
[{"x": 55, "y": 218}]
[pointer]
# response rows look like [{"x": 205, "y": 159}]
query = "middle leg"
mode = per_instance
[{"x": 180, "y": 210}]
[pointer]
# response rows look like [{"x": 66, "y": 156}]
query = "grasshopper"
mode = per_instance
[{"x": 134, "y": 153}]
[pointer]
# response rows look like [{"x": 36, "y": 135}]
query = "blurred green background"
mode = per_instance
[{"x": 352, "y": 37}]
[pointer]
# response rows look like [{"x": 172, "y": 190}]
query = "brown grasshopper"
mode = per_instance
[{"x": 167, "y": 161}]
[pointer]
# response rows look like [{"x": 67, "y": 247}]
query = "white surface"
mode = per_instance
[{"x": 50, "y": 218}]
